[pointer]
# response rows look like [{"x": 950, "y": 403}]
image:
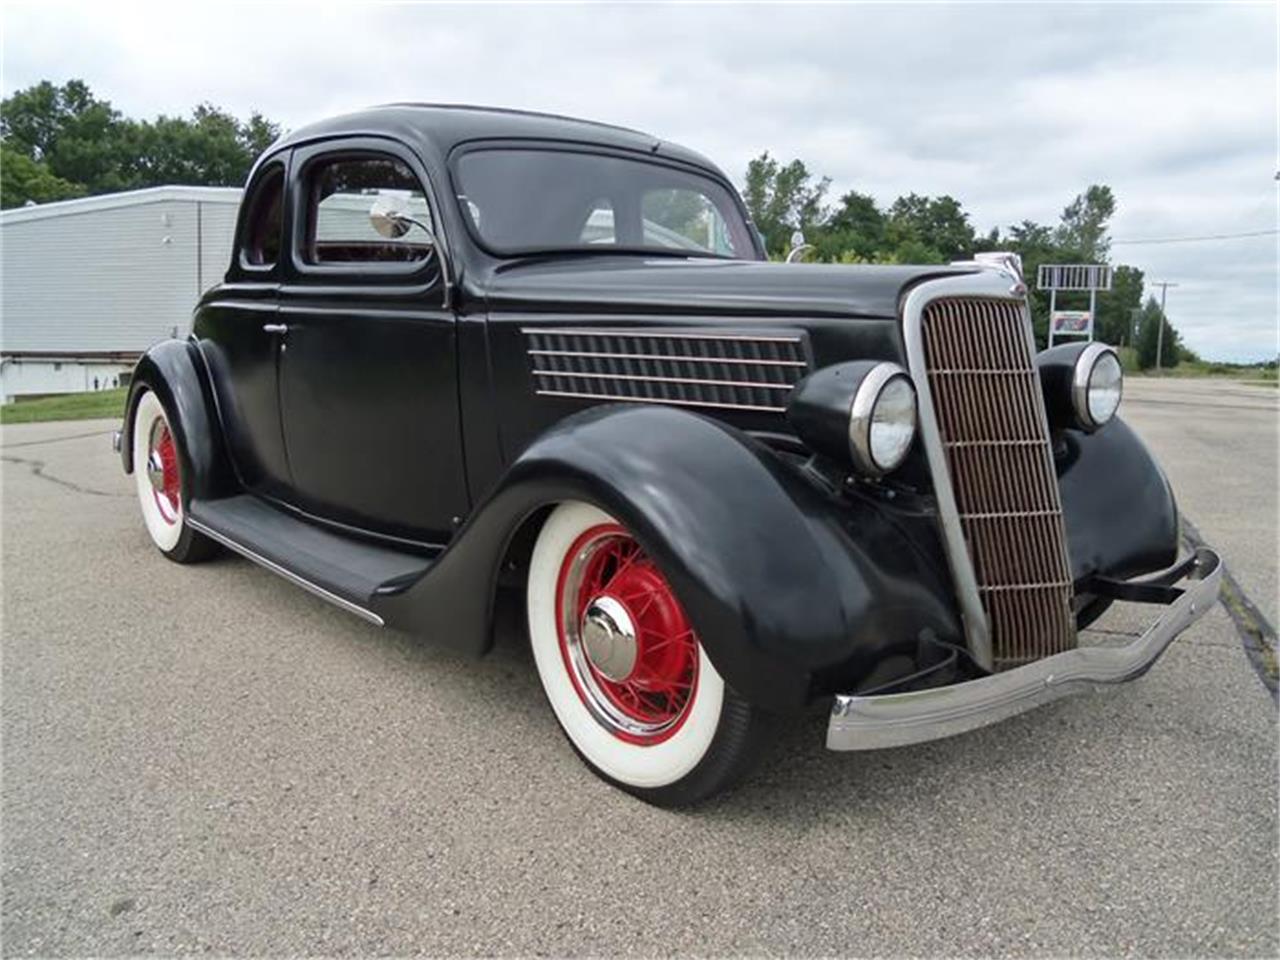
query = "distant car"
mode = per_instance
[{"x": 467, "y": 360}]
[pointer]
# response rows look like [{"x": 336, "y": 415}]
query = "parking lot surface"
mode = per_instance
[{"x": 207, "y": 759}]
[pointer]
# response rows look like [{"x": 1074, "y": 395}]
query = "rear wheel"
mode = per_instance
[
  {"x": 623, "y": 669},
  {"x": 157, "y": 472}
]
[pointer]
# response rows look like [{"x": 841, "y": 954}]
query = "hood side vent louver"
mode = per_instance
[{"x": 749, "y": 370}]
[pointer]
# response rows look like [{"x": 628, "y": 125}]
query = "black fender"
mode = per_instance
[
  {"x": 1120, "y": 514},
  {"x": 795, "y": 590},
  {"x": 175, "y": 372}
]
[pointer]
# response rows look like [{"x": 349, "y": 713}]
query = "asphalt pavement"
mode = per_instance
[{"x": 208, "y": 760}]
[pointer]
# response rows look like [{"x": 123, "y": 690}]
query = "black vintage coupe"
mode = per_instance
[{"x": 471, "y": 360}]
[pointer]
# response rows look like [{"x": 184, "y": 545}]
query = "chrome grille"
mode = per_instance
[
  {"x": 986, "y": 398},
  {"x": 738, "y": 371}
]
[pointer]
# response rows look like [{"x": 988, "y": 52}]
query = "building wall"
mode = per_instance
[
  {"x": 116, "y": 279},
  {"x": 38, "y": 376},
  {"x": 218, "y": 221}
]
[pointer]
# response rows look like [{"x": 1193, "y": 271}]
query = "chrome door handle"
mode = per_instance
[{"x": 275, "y": 328}]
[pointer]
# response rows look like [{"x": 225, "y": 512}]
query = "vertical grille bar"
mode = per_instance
[{"x": 986, "y": 397}]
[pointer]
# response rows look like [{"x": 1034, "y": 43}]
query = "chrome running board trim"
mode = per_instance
[{"x": 289, "y": 575}]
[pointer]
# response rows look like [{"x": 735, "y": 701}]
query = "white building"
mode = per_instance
[{"x": 87, "y": 285}]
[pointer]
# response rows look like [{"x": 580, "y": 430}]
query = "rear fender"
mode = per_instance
[
  {"x": 174, "y": 371},
  {"x": 791, "y": 588}
]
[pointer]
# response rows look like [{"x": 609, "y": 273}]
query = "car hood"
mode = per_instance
[{"x": 755, "y": 288}]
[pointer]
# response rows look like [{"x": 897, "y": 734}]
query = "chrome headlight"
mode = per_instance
[
  {"x": 860, "y": 412},
  {"x": 882, "y": 420},
  {"x": 1096, "y": 385}
]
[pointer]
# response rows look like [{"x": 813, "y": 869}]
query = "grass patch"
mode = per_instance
[
  {"x": 90, "y": 405},
  {"x": 1258, "y": 376}
]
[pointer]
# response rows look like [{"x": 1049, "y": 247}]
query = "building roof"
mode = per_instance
[
  {"x": 445, "y": 126},
  {"x": 126, "y": 198}
]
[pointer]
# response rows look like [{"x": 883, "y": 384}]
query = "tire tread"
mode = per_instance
[{"x": 743, "y": 734}]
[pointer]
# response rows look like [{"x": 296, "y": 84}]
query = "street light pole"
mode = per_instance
[{"x": 1164, "y": 286}]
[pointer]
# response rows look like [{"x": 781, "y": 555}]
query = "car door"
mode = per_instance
[
  {"x": 368, "y": 361},
  {"x": 236, "y": 327}
]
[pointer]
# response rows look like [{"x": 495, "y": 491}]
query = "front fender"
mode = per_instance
[
  {"x": 794, "y": 590},
  {"x": 1119, "y": 510},
  {"x": 174, "y": 371}
]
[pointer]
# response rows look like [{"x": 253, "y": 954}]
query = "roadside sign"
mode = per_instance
[
  {"x": 1072, "y": 322},
  {"x": 1073, "y": 278}
]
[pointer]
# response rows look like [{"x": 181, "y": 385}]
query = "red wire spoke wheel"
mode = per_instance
[
  {"x": 162, "y": 472},
  {"x": 626, "y": 642},
  {"x": 624, "y": 668},
  {"x": 157, "y": 470}
]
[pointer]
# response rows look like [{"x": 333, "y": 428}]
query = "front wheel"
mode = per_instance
[
  {"x": 623, "y": 669},
  {"x": 157, "y": 471}
]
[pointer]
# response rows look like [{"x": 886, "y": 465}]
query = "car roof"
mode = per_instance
[{"x": 443, "y": 126}]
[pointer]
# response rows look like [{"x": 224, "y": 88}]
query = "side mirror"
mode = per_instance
[{"x": 390, "y": 217}]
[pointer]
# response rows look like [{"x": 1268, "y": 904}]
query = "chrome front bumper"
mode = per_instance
[{"x": 897, "y": 719}]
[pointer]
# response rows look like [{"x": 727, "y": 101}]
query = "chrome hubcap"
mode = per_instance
[
  {"x": 609, "y": 637},
  {"x": 155, "y": 470},
  {"x": 162, "y": 471}
]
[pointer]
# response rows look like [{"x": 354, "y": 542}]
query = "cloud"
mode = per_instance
[{"x": 1011, "y": 109}]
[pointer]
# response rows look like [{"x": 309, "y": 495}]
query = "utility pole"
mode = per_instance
[{"x": 1164, "y": 286}]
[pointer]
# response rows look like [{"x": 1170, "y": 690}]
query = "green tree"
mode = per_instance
[
  {"x": 78, "y": 137},
  {"x": 211, "y": 148},
  {"x": 859, "y": 216},
  {"x": 23, "y": 180},
  {"x": 937, "y": 224},
  {"x": 913, "y": 251},
  {"x": 257, "y": 133},
  {"x": 75, "y": 143},
  {"x": 1149, "y": 324},
  {"x": 1084, "y": 224},
  {"x": 782, "y": 199},
  {"x": 1114, "y": 322}
]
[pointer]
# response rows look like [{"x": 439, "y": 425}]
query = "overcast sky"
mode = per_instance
[{"x": 1013, "y": 109}]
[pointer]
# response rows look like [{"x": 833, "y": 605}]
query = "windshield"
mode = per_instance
[{"x": 520, "y": 201}]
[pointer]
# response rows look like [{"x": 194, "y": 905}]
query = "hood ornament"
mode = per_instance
[
  {"x": 798, "y": 247},
  {"x": 1002, "y": 261}
]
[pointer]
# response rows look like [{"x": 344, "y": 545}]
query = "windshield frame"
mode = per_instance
[{"x": 714, "y": 177}]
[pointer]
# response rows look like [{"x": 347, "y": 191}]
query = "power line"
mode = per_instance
[{"x": 1212, "y": 236}]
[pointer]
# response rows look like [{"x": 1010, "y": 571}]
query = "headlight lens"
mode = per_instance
[
  {"x": 894, "y": 423},
  {"x": 1104, "y": 388},
  {"x": 882, "y": 423},
  {"x": 1097, "y": 386}
]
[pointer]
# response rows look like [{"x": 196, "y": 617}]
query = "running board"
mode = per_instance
[{"x": 342, "y": 570}]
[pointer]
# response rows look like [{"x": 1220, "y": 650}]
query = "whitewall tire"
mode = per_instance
[
  {"x": 623, "y": 669},
  {"x": 157, "y": 473}
]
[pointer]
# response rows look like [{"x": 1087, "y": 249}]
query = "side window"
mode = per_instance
[
  {"x": 340, "y": 192},
  {"x": 265, "y": 221}
]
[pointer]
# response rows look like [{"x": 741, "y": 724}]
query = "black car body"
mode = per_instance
[{"x": 389, "y": 422}]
